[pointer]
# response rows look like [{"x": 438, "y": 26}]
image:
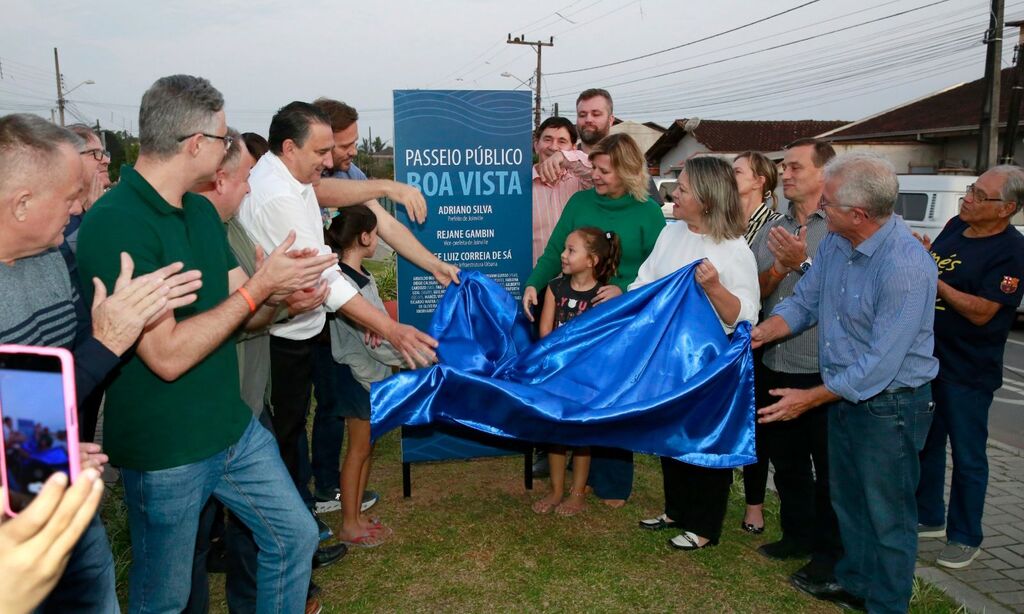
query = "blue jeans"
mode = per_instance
[
  {"x": 961, "y": 415},
  {"x": 252, "y": 482},
  {"x": 87, "y": 584},
  {"x": 873, "y": 451}
]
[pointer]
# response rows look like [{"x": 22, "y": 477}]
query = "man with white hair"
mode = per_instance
[
  {"x": 980, "y": 257},
  {"x": 871, "y": 292}
]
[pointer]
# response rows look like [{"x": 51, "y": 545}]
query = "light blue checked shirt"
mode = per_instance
[{"x": 874, "y": 305}]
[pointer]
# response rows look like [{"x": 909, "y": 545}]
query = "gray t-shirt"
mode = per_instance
[{"x": 797, "y": 354}]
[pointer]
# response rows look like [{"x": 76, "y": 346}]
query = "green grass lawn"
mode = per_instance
[{"x": 467, "y": 541}]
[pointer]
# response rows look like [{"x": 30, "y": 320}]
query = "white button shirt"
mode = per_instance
[{"x": 277, "y": 204}]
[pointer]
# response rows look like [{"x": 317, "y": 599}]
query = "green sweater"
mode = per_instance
[{"x": 637, "y": 223}]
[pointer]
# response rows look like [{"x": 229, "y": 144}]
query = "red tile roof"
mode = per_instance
[
  {"x": 728, "y": 136},
  {"x": 950, "y": 110}
]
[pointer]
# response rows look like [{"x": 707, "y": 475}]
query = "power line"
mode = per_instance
[
  {"x": 811, "y": 66},
  {"x": 779, "y": 46},
  {"x": 711, "y": 52},
  {"x": 686, "y": 44}
]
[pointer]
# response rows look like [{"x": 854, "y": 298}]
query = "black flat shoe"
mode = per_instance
[
  {"x": 784, "y": 550},
  {"x": 325, "y": 555},
  {"x": 828, "y": 591},
  {"x": 749, "y": 528}
]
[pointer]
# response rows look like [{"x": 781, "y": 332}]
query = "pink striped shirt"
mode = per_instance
[{"x": 549, "y": 200}]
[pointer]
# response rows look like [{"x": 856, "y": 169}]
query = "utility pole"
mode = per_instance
[
  {"x": 99, "y": 133},
  {"x": 538, "y": 46},
  {"x": 988, "y": 136},
  {"x": 60, "y": 88},
  {"x": 1016, "y": 89}
]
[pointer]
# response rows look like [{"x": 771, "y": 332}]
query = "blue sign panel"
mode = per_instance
[{"x": 470, "y": 153}]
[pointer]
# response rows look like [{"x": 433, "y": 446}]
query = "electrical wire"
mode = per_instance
[{"x": 688, "y": 43}]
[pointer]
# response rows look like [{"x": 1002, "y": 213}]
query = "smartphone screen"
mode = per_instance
[{"x": 35, "y": 423}]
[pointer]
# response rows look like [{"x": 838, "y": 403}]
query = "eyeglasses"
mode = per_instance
[
  {"x": 97, "y": 154},
  {"x": 824, "y": 204},
  {"x": 977, "y": 195},
  {"x": 228, "y": 140}
]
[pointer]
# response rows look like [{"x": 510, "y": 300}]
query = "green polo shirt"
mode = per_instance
[{"x": 149, "y": 423}]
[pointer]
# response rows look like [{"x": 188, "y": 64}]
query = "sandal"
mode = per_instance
[
  {"x": 687, "y": 541},
  {"x": 367, "y": 540},
  {"x": 543, "y": 506},
  {"x": 751, "y": 528},
  {"x": 657, "y": 524}
]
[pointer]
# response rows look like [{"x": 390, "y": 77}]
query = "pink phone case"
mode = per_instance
[{"x": 67, "y": 366}]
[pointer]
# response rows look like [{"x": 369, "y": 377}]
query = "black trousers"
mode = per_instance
[
  {"x": 291, "y": 373},
  {"x": 799, "y": 451},
  {"x": 696, "y": 497},
  {"x": 755, "y": 476}
]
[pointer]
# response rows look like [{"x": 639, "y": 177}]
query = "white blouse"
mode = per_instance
[{"x": 678, "y": 246}]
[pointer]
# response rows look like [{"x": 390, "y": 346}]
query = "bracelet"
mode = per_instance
[
  {"x": 248, "y": 299},
  {"x": 774, "y": 274}
]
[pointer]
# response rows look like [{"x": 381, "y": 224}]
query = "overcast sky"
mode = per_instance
[{"x": 262, "y": 54}]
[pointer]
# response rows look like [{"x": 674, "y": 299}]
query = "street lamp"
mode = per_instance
[
  {"x": 508, "y": 74},
  {"x": 86, "y": 82},
  {"x": 62, "y": 101}
]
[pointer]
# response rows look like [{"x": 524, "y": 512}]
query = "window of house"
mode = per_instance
[{"x": 913, "y": 206}]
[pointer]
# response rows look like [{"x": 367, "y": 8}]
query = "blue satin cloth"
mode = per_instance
[{"x": 651, "y": 371}]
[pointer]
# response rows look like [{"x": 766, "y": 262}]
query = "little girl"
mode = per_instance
[
  {"x": 353, "y": 234},
  {"x": 590, "y": 259}
]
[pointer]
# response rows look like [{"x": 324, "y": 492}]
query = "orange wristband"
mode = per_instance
[
  {"x": 248, "y": 299},
  {"x": 773, "y": 273}
]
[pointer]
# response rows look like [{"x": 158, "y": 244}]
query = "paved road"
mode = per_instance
[{"x": 1006, "y": 419}]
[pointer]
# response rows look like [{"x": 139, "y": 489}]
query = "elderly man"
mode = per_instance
[
  {"x": 40, "y": 183},
  {"x": 871, "y": 290},
  {"x": 783, "y": 248},
  {"x": 95, "y": 179},
  {"x": 980, "y": 258},
  {"x": 194, "y": 437}
]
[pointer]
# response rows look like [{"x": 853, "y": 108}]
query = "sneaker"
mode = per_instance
[
  {"x": 325, "y": 502},
  {"x": 370, "y": 498},
  {"x": 957, "y": 556},
  {"x": 927, "y": 530}
]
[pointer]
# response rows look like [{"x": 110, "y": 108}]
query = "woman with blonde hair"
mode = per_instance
[
  {"x": 618, "y": 203},
  {"x": 756, "y": 179},
  {"x": 707, "y": 203}
]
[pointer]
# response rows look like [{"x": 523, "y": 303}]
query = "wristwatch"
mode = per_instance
[{"x": 804, "y": 266}]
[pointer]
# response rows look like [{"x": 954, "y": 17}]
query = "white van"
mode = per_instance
[{"x": 927, "y": 202}]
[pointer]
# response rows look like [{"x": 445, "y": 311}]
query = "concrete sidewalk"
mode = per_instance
[{"x": 994, "y": 582}]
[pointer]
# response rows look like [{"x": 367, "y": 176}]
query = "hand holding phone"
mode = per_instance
[{"x": 40, "y": 426}]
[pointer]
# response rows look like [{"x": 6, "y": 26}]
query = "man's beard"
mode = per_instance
[{"x": 592, "y": 137}]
